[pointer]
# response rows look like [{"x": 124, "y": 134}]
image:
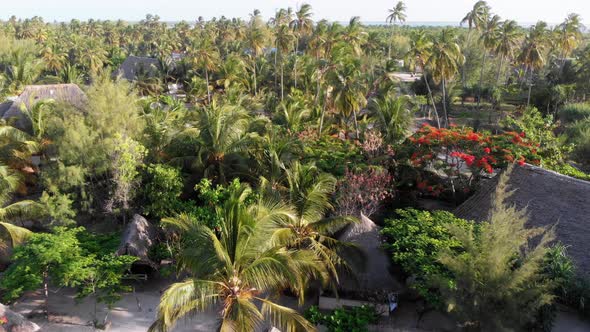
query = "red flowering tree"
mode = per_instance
[
  {"x": 363, "y": 191},
  {"x": 462, "y": 155}
]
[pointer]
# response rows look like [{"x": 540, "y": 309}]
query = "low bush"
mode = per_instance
[
  {"x": 415, "y": 239},
  {"x": 344, "y": 320}
]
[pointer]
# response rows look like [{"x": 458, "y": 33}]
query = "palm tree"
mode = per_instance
[
  {"x": 569, "y": 36},
  {"x": 508, "y": 39},
  {"x": 206, "y": 57},
  {"x": 12, "y": 235},
  {"x": 419, "y": 53},
  {"x": 444, "y": 61},
  {"x": 308, "y": 192},
  {"x": 236, "y": 270},
  {"x": 284, "y": 40},
  {"x": 293, "y": 114},
  {"x": 302, "y": 25},
  {"x": 392, "y": 117},
  {"x": 222, "y": 131},
  {"x": 476, "y": 19},
  {"x": 489, "y": 38},
  {"x": 349, "y": 90},
  {"x": 532, "y": 53},
  {"x": 256, "y": 37},
  {"x": 396, "y": 14}
]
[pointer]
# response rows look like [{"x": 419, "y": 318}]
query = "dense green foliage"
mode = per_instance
[
  {"x": 356, "y": 319},
  {"x": 416, "y": 239},
  {"x": 251, "y": 144}
]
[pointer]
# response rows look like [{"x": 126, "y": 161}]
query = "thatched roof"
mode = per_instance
[
  {"x": 62, "y": 93},
  {"x": 550, "y": 198},
  {"x": 137, "y": 240},
  {"x": 16, "y": 322},
  {"x": 376, "y": 276},
  {"x": 133, "y": 65}
]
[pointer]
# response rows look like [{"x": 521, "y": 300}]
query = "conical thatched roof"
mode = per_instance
[
  {"x": 133, "y": 65},
  {"x": 376, "y": 276},
  {"x": 63, "y": 93},
  {"x": 16, "y": 322},
  {"x": 550, "y": 198},
  {"x": 137, "y": 240}
]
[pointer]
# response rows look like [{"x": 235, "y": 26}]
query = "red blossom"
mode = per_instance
[{"x": 487, "y": 150}]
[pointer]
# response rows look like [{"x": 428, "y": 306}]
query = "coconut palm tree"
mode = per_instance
[
  {"x": 396, "y": 14},
  {"x": 444, "y": 61},
  {"x": 418, "y": 54},
  {"x": 284, "y": 40},
  {"x": 236, "y": 270},
  {"x": 308, "y": 192},
  {"x": 476, "y": 18},
  {"x": 10, "y": 234},
  {"x": 349, "y": 89},
  {"x": 392, "y": 117},
  {"x": 206, "y": 57},
  {"x": 222, "y": 135},
  {"x": 508, "y": 39},
  {"x": 489, "y": 39},
  {"x": 302, "y": 25},
  {"x": 532, "y": 54},
  {"x": 568, "y": 36},
  {"x": 256, "y": 38}
]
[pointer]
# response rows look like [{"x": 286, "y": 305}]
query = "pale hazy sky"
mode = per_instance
[{"x": 525, "y": 11}]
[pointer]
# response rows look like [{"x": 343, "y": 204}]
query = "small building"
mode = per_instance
[
  {"x": 550, "y": 199},
  {"x": 32, "y": 94},
  {"x": 138, "y": 238},
  {"x": 135, "y": 67}
]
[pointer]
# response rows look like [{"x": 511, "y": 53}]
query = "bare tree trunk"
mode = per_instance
[
  {"x": 255, "y": 82},
  {"x": 322, "y": 116},
  {"x": 356, "y": 125},
  {"x": 207, "y": 79},
  {"x": 282, "y": 80},
  {"x": 499, "y": 70},
  {"x": 46, "y": 292},
  {"x": 483, "y": 65},
  {"x": 431, "y": 99},
  {"x": 390, "y": 41},
  {"x": 295, "y": 62},
  {"x": 444, "y": 102},
  {"x": 528, "y": 100}
]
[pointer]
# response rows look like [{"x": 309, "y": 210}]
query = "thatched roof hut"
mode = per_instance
[
  {"x": 16, "y": 322},
  {"x": 134, "y": 65},
  {"x": 62, "y": 93},
  {"x": 550, "y": 198},
  {"x": 375, "y": 276},
  {"x": 137, "y": 240}
]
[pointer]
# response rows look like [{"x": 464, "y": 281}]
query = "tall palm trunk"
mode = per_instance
[
  {"x": 356, "y": 124},
  {"x": 528, "y": 100},
  {"x": 255, "y": 82},
  {"x": 499, "y": 70},
  {"x": 322, "y": 116},
  {"x": 295, "y": 62},
  {"x": 463, "y": 73},
  {"x": 431, "y": 99},
  {"x": 282, "y": 79},
  {"x": 444, "y": 102},
  {"x": 390, "y": 41},
  {"x": 207, "y": 79},
  {"x": 483, "y": 65}
]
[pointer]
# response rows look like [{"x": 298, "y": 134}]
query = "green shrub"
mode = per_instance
[
  {"x": 332, "y": 155},
  {"x": 161, "y": 191},
  {"x": 344, "y": 320},
  {"x": 571, "y": 113},
  {"x": 415, "y": 239}
]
